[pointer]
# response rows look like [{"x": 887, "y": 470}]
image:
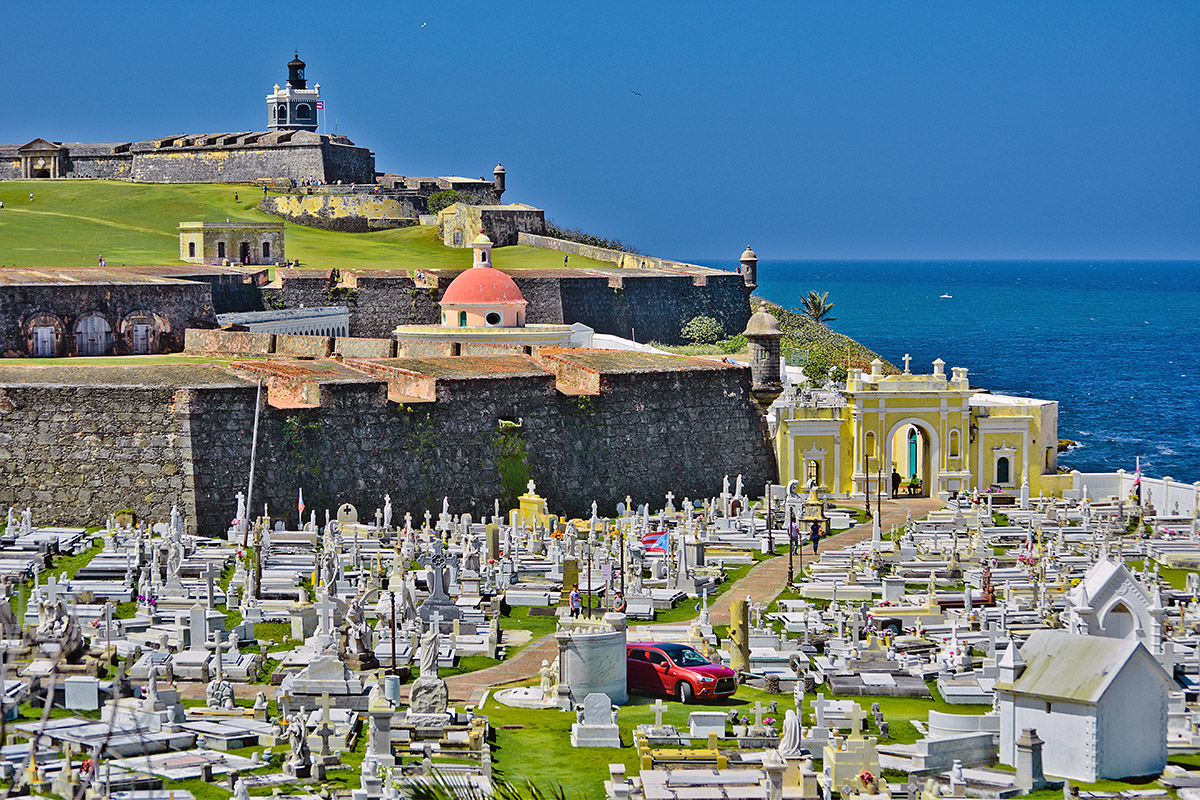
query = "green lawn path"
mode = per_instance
[{"x": 72, "y": 223}]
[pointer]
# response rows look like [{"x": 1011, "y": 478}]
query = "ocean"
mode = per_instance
[{"x": 1117, "y": 344}]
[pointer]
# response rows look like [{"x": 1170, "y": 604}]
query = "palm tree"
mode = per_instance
[{"x": 817, "y": 307}]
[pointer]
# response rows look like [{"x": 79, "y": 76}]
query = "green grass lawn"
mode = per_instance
[{"x": 71, "y": 223}]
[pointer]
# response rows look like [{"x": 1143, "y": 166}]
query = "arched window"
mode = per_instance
[
  {"x": 869, "y": 444},
  {"x": 281, "y": 113},
  {"x": 462, "y": 319},
  {"x": 266, "y": 249},
  {"x": 812, "y": 472},
  {"x": 304, "y": 111},
  {"x": 1003, "y": 470},
  {"x": 191, "y": 249},
  {"x": 954, "y": 444}
]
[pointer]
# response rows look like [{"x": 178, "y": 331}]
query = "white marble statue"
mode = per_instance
[{"x": 791, "y": 743}]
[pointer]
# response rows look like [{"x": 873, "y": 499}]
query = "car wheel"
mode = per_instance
[{"x": 685, "y": 692}]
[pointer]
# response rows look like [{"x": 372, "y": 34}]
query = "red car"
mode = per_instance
[{"x": 676, "y": 670}]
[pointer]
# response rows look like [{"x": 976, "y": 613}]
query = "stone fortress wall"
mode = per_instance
[
  {"x": 651, "y": 306},
  {"x": 80, "y": 444},
  {"x": 168, "y": 306},
  {"x": 209, "y": 158}
]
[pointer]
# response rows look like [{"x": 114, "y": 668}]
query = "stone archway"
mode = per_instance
[
  {"x": 43, "y": 333},
  {"x": 924, "y": 458},
  {"x": 93, "y": 335}
]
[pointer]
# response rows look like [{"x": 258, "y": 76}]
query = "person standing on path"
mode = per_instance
[
  {"x": 574, "y": 601},
  {"x": 793, "y": 532},
  {"x": 896, "y": 479},
  {"x": 815, "y": 535}
]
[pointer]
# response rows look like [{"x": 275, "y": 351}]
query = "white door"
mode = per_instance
[
  {"x": 93, "y": 337},
  {"x": 141, "y": 339},
  {"x": 43, "y": 341}
]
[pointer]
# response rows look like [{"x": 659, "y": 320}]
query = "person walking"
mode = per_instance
[
  {"x": 815, "y": 535},
  {"x": 574, "y": 601},
  {"x": 896, "y": 479}
]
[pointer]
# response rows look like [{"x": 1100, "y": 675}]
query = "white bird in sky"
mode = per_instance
[{"x": 423, "y": 24}]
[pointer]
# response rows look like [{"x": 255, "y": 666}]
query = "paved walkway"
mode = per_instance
[{"x": 762, "y": 583}]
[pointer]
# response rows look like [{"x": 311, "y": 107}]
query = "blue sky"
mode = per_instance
[{"x": 812, "y": 130}]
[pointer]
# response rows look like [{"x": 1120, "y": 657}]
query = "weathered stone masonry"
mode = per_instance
[
  {"x": 648, "y": 307},
  {"x": 79, "y": 452}
]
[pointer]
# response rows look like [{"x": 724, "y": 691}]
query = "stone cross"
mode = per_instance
[
  {"x": 759, "y": 608},
  {"x": 325, "y": 608},
  {"x": 758, "y": 712},
  {"x": 819, "y": 706},
  {"x": 670, "y": 506},
  {"x": 530, "y": 486},
  {"x": 210, "y": 574},
  {"x": 856, "y": 716},
  {"x": 907, "y": 362},
  {"x": 659, "y": 708},
  {"x": 220, "y": 636},
  {"x": 325, "y": 729},
  {"x": 428, "y": 516}
]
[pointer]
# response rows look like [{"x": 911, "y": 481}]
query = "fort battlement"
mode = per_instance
[
  {"x": 246, "y": 157},
  {"x": 83, "y": 441}
]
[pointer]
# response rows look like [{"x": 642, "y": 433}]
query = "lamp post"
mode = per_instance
[{"x": 867, "y": 488}]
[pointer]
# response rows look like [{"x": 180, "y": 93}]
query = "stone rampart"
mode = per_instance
[
  {"x": 145, "y": 447},
  {"x": 86, "y": 451},
  {"x": 169, "y": 307},
  {"x": 652, "y": 307},
  {"x": 355, "y": 213},
  {"x": 245, "y": 158}
]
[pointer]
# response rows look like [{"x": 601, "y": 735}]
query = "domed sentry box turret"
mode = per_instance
[{"x": 763, "y": 334}]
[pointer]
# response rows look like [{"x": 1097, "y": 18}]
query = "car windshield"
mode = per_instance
[{"x": 686, "y": 656}]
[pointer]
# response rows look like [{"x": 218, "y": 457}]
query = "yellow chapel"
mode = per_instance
[{"x": 934, "y": 435}]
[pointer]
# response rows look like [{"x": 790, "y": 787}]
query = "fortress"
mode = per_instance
[{"x": 290, "y": 149}]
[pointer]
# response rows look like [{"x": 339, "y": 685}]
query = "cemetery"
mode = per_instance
[{"x": 938, "y": 649}]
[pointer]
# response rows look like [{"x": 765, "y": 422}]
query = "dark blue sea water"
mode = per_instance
[{"x": 1117, "y": 344}]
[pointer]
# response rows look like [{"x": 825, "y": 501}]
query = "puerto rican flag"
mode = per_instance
[
  {"x": 300, "y": 505},
  {"x": 320, "y": 105},
  {"x": 1135, "y": 494},
  {"x": 655, "y": 542}
]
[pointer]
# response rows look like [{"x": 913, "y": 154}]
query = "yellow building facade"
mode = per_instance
[{"x": 936, "y": 433}]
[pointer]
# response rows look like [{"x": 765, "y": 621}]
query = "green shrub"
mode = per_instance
[
  {"x": 703, "y": 330},
  {"x": 442, "y": 200}
]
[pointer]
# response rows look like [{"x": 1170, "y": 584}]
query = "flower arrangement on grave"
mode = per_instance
[
  {"x": 1027, "y": 558},
  {"x": 866, "y": 779}
]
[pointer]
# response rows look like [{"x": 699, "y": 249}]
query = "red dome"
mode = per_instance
[{"x": 482, "y": 286}]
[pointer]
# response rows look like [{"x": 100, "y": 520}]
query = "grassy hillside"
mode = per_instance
[{"x": 71, "y": 223}]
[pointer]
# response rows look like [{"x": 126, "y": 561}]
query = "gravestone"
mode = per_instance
[
  {"x": 595, "y": 725},
  {"x": 82, "y": 693}
]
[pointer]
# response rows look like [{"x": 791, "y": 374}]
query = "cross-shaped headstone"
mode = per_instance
[
  {"x": 530, "y": 486},
  {"x": 210, "y": 574},
  {"x": 325, "y": 729},
  {"x": 325, "y": 607},
  {"x": 758, "y": 714},
  {"x": 670, "y": 500},
  {"x": 428, "y": 516},
  {"x": 819, "y": 707},
  {"x": 907, "y": 362},
  {"x": 659, "y": 708},
  {"x": 52, "y": 590},
  {"x": 856, "y": 716}
]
